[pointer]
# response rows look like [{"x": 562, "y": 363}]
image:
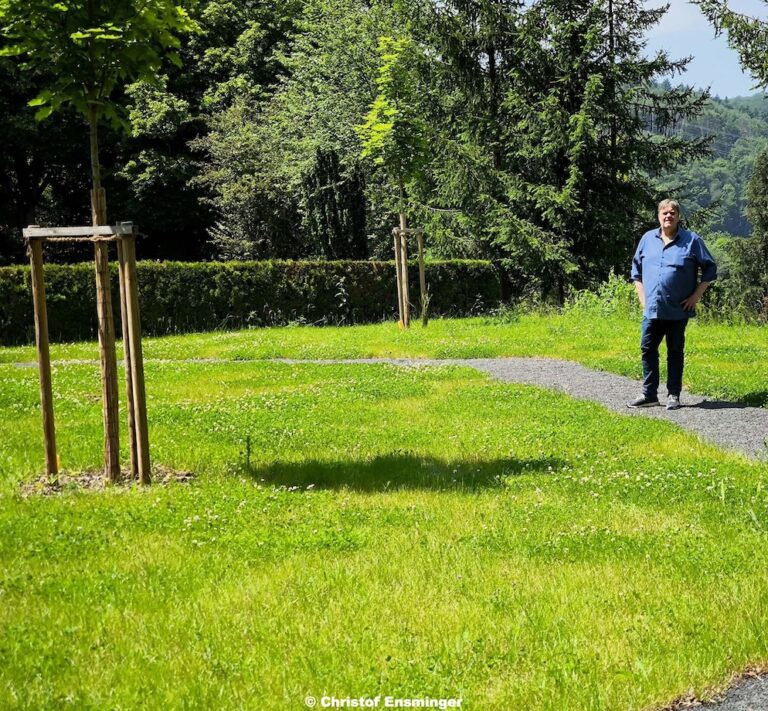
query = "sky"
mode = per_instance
[{"x": 684, "y": 31}]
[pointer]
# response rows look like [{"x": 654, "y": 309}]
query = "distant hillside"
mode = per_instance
[
  {"x": 739, "y": 131},
  {"x": 757, "y": 103}
]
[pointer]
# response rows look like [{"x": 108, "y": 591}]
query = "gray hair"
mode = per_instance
[{"x": 669, "y": 203}]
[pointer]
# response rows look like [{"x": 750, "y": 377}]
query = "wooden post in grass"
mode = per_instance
[
  {"x": 43, "y": 355},
  {"x": 107, "y": 357},
  {"x": 101, "y": 235},
  {"x": 422, "y": 280},
  {"x": 127, "y": 360},
  {"x": 404, "y": 267},
  {"x": 133, "y": 328},
  {"x": 398, "y": 273}
]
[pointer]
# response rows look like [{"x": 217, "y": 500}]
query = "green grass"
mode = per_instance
[
  {"x": 367, "y": 529},
  {"x": 723, "y": 361}
]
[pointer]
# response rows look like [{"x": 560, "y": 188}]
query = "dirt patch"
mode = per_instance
[{"x": 91, "y": 480}]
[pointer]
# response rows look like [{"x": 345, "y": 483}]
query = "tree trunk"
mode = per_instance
[{"x": 107, "y": 357}]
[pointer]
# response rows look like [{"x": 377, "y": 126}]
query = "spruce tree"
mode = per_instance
[
  {"x": 580, "y": 141},
  {"x": 562, "y": 159}
]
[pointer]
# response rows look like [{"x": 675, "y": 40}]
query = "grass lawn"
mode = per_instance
[
  {"x": 356, "y": 530},
  {"x": 723, "y": 361}
]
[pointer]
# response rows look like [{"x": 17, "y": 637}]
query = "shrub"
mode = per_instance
[
  {"x": 740, "y": 293},
  {"x": 178, "y": 297},
  {"x": 616, "y": 296}
]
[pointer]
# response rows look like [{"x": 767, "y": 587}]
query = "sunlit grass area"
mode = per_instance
[
  {"x": 369, "y": 529},
  {"x": 724, "y": 361}
]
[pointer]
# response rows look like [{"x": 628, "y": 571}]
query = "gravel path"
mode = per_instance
[
  {"x": 726, "y": 424},
  {"x": 745, "y": 695}
]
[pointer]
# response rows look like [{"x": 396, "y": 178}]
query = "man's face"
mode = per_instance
[{"x": 668, "y": 218}]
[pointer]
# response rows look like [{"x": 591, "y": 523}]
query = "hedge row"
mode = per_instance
[{"x": 180, "y": 297}]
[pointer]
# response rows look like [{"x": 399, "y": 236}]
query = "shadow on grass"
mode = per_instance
[
  {"x": 399, "y": 471},
  {"x": 758, "y": 399}
]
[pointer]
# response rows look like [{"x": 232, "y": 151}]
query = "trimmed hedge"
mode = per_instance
[{"x": 177, "y": 297}]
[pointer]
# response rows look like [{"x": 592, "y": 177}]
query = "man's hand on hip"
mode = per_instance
[{"x": 689, "y": 304}]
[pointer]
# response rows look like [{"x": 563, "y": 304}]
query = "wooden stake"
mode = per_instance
[
  {"x": 107, "y": 356},
  {"x": 137, "y": 358},
  {"x": 404, "y": 267},
  {"x": 396, "y": 233},
  {"x": 127, "y": 360},
  {"x": 422, "y": 280},
  {"x": 43, "y": 355}
]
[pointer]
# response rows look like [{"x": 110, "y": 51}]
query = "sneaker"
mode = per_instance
[
  {"x": 673, "y": 402},
  {"x": 643, "y": 401}
]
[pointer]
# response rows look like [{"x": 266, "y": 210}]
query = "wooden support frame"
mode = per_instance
[
  {"x": 124, "y": 234},
  {"x": 399, "y": 277},
  {"x": 401, "y": 265},
  {"x": 43, "y": 355}
]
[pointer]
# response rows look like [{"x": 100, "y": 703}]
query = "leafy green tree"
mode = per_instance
[
  {"x": 757, "y": 195},
  {"x": 89, "y": 50},
  {"x": 261, "y": 153},
  {"x": 241, "y": 48},
  {"x": 236, "y": 55},
  {"x": 477, "y": 54},
  {"x": 742, "y": 285},
  {"x": 256, "y": 211},
  {"x": 592, "y": 153},
  {"x": 42, "y": 166},
  {"x": 755, "y": 263},
  {"x": 394, "y": 135},
  {"x": 155, "y": 162},
  {"x": 334, "y": 208}
]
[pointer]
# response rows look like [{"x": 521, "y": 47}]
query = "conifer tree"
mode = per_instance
[
  {"x": 570, "y": 172},
  {"x": 586, "y": 152}
]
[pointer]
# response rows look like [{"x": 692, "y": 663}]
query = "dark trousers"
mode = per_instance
[{"x": 654, "y": 330}]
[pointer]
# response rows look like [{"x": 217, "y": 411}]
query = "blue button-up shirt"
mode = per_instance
[{"x": 670, "y": 273}]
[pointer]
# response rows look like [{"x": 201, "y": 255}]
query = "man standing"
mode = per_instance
[{"x": 665, "y": 270}]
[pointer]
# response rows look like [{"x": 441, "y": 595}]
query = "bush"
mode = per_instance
[
  {"x": 616, "y": 296},
  {"x": 740, "y": 293},
  {"x": 178, "y": 297}
]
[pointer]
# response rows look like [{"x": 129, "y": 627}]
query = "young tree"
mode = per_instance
[
  {"x": 88, "y": 50},
  {"x": 394, "y": 136}
]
